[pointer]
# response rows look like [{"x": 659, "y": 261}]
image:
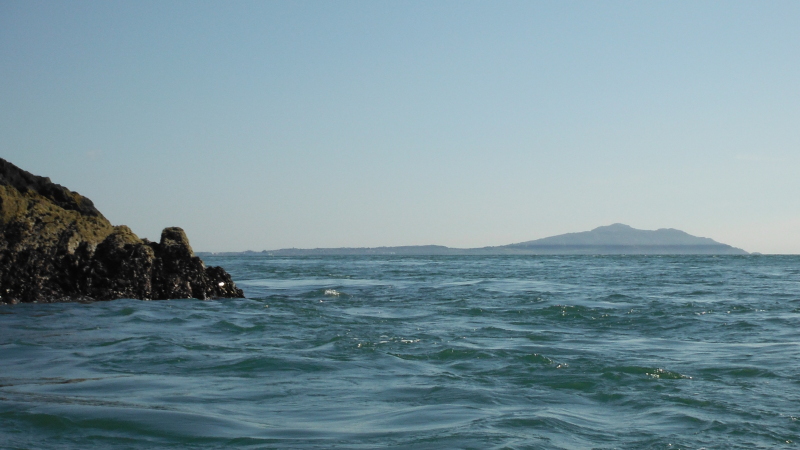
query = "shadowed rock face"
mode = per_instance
[{"x": 56, "y": 246}]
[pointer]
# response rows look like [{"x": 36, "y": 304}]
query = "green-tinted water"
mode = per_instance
[{"x": 414, "y": 352}]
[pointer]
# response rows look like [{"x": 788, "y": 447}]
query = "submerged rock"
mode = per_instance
[{"x": 56, "y": 246}]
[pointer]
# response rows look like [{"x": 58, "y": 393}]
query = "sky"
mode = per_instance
[{"x": 265, "y": 125}]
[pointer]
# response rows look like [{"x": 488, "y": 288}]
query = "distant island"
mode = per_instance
[{"x": 616, "y": 239}]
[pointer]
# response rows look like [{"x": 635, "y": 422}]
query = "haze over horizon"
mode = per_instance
[{"x": 267, "y": 125}]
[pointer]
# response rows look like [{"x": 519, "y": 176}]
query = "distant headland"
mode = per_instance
[
  {"x": 56, "y": 246},
  {"x": 616, "y": 239}
]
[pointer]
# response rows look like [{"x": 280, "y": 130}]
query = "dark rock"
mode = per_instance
[{"x": 56, "y": 246}]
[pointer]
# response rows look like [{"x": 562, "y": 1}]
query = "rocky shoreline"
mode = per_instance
[{"x": 56, "y": 246}]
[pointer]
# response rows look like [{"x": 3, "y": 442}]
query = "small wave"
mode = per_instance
[
  {"x": 587, "y": 386},
  {"x": 738, "y": 372},
  {"x": 131, "y": 420},
  {"x": 651, "y": 372},
  {"x": 225, "y": 325},
  {"x": 616, "y": 298},
  {"x": 250, "y": 367},
  {"x": 536, "y": 359}
]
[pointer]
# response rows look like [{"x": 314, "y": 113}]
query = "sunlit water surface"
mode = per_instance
[{"x": 421, "y": 352}]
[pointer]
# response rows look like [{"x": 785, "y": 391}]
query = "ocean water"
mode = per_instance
[{"x": 539, "y": 352}]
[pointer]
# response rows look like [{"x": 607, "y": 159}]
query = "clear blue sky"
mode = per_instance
[{"x": 263, "y": 125}]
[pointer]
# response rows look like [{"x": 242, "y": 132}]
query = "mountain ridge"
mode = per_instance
[
  {"x": 621, "y": 234},
  {"x": 614, "y": 239}
]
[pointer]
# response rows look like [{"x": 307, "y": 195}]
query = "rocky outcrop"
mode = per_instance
[{"x": 56, "y": 246}]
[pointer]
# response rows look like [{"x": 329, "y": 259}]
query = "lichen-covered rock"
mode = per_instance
[{"x": 56, "y": 246}]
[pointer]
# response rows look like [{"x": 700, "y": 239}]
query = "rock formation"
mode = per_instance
[{"x": 56, "y": 246}]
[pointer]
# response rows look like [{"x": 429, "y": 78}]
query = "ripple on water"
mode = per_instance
[{"x": 421, "y": 352}]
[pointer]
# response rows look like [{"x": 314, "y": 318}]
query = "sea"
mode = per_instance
[{"x": 421, "y": 352}]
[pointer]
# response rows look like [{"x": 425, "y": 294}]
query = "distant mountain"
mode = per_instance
[
  {"x": 623, "y": 239},
  {"x": 616, "y": 239}
]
